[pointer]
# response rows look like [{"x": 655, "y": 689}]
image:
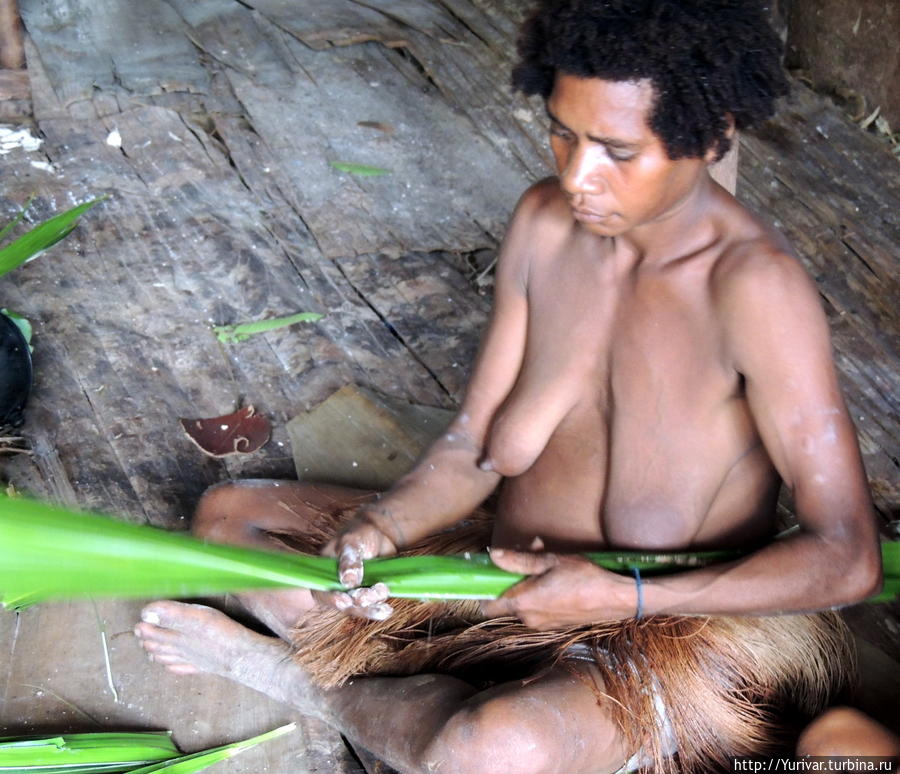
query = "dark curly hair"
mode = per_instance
[{"x": 706, "y": 59}]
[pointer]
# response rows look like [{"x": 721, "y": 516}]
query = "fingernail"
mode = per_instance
[
  {"x": 150, "y": 617},
  {"x": 342, "y": 602},
  {"x": 380, "y": 612},
  {"x": 487, "y": 465},
  {"x": 351, "y": 578},
  {"x": 496, "y": 552}
]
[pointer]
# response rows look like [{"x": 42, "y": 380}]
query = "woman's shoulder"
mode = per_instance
[{"x": 541, "y": 219}]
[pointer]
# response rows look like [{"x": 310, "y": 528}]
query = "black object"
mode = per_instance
[{"x": 15, "y": 373}]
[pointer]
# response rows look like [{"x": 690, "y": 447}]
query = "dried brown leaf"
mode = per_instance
[{"x": 241, "y": 432}]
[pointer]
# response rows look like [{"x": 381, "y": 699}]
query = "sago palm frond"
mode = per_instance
[
  {"x": 49, "y": 553},
  {"x": 41, "y": 237},
  {"x": 142, "y": 752}
]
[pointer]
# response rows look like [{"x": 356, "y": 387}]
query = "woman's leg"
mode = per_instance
[
  {"x": 420, "y": 724},
  {"x": 275, "y": 515},
  {"x": 426, "y": 724},
  {"x": 847, "y": 731}
]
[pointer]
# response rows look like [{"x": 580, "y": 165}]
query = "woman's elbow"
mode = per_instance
[{"x": 863, "y": 577}]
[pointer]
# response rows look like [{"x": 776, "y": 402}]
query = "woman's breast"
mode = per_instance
[{"x": 559, "y": 498}]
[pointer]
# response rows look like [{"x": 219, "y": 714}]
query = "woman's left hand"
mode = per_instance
[{"x": 563, "y": 590}]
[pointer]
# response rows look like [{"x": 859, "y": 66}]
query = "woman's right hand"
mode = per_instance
[{"x": 361, "y": 539}]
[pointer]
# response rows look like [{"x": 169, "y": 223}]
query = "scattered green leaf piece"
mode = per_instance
[
  {"x": 364, "y": 170},
  {"x": 85, "y": 753},
  {"x": 41, "y": 237},
  {"x": 232, "y": 334},
  {"x": 22, "y": 324},
  {"x": 9, "y": 226},
  {"x": 188, "y": 764},
  {"x": 51, "y": 553}
]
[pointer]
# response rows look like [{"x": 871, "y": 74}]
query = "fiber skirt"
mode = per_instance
[{"x": 729, "y": 686}]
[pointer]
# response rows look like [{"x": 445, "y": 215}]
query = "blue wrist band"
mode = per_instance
[{"x": 639, "y": 613}]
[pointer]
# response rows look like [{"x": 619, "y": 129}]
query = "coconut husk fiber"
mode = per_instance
[{"x": 728, "y": 684}]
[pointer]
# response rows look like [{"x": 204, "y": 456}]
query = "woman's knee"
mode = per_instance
[
  {"x": 847, "y": 731},
  {"x": 245, "y": 511},
  {"x": 227, "y": 510},
  {"x": 499, "y": 736}
]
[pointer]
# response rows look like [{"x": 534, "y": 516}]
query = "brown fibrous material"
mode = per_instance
[{"x": 727, "y": 683}]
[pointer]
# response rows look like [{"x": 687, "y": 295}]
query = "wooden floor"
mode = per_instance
[{"x": 224, "y": 207}]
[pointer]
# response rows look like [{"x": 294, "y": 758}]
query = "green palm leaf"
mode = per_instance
[
  {"x": 85, "y": 753},
  {"x": 12, "y": 224},
  {"x": 188, "y": 764},
  {"x": 41, "y": 237},
  {"x": 138, "y": 753},
  {"x": 49, "y": 553}
]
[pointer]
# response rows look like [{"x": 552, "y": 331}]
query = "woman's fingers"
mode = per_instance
[{"x": 359, "y": 603}]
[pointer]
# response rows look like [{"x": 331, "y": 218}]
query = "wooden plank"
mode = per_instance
[
  {"x": 56, "y": 680},
  {"x": 182, "y": 245},
  {"x": 362, "y": 439},
  {"x": 141, "y": 48},
  {"x": 14, "y": 84},
  {"x": 459, "y": 47},
  {"x": 430, "y": 304},
  {"x": 446, "y": 185},
  {"x": 449, "y": 184},
  {"x": 327, "y": 23}
]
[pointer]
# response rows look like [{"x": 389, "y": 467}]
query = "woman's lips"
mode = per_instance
[{"x": 586, "y": 216}]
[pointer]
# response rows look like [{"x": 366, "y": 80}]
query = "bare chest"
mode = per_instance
[{"x": 630, "y": 419}]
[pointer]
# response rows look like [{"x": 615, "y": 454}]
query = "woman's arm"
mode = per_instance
[
  {"x": 777, "y": 337},
  {"x": 446, "y": 484}
]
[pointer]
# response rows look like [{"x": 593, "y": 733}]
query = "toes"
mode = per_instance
[
  {"x": 169, "y": 659},
  {"x": 176, "y": 615},
  {"x": 146, "y": 633},
  {"x": 183, "y": 669},
  {"x": 153, "y": 636}
]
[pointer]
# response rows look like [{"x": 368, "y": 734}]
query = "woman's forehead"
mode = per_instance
[{"x": 596, "y": 105}]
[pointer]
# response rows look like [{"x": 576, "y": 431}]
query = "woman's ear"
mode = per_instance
[
  {"x": 710, "y": 156},
  {"x": 724, "y": 171}
]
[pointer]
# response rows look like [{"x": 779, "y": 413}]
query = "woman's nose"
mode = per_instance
[{"x": 582, "y": 173}]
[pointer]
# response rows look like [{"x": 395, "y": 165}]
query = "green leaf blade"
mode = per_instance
[
  {"x": 42, "y": 237},
  {"x": 12, "y": 224},
  {"x": 49, "y": 553},
  {"x": 363, "y": 170},
  {"x": 188, "y": 764},
  {"x": 87, "y": 753},
  {"x": 234, "y": 334}
]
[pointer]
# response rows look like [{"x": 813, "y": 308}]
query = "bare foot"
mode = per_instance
[{"x": 192, "y": 639}]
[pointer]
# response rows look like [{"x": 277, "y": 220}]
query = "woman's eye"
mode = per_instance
[
  {"x": 562, "y": 133},
  {"x": 621, "y": 157}
]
